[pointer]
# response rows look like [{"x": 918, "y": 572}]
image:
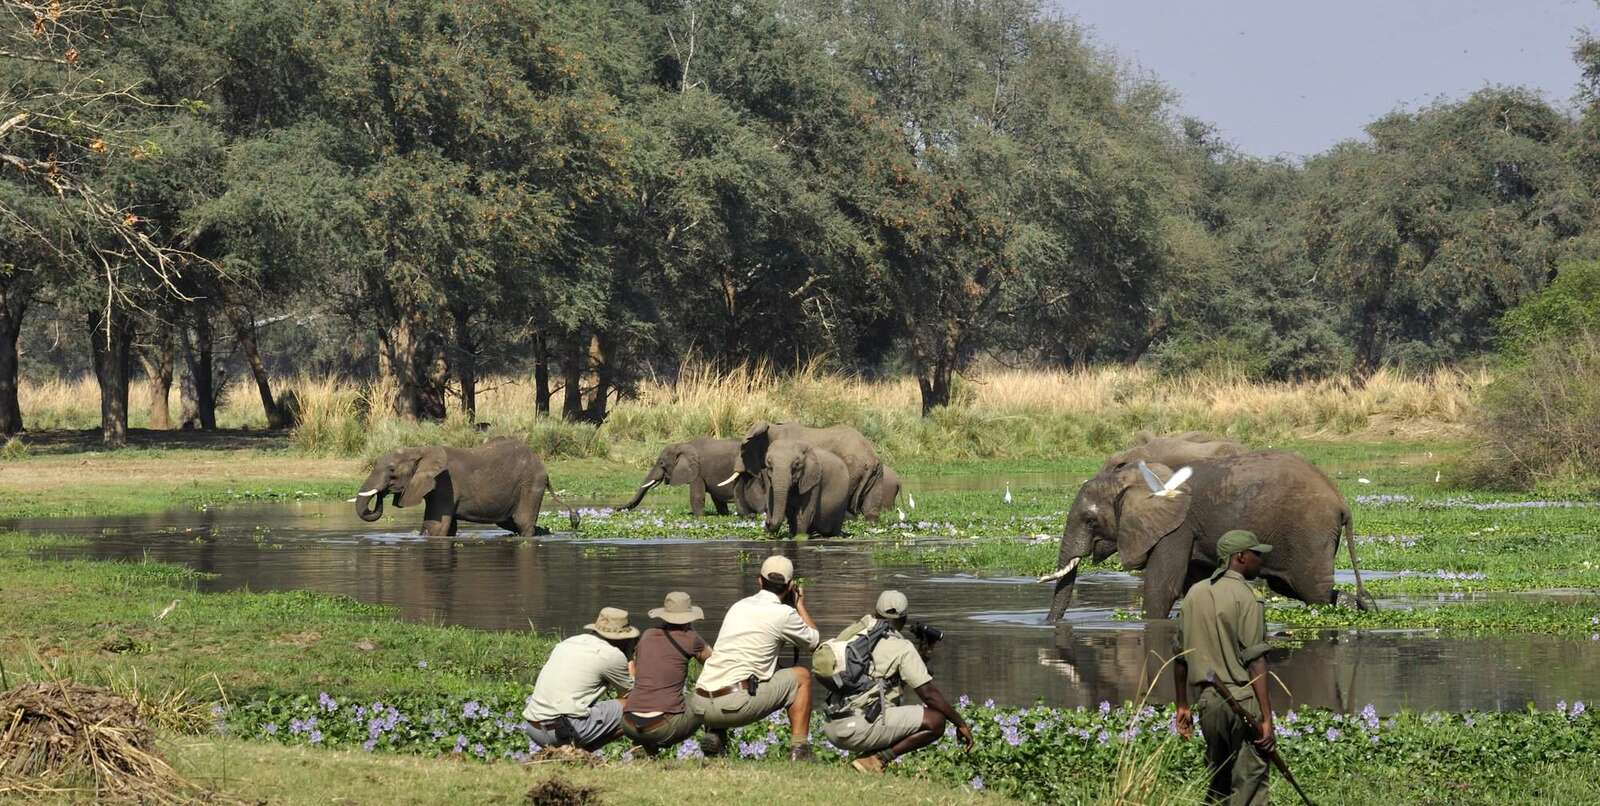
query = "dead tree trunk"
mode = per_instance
[{"x": 13, "y": 305}]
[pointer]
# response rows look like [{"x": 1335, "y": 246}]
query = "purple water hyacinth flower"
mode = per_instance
[
  {"x": 1291, "y": 716},
  {"x": 271, "y": 728},
  {"x": 422, "y": 664},
  {"x": 438, "y": 734},
  {"x": 989, "y": 703},
  {"x": 1469, "y": 720},
  {"x": 315, "y": 737},
  {"x": 1561, "y": 707},
  {"x": 1012, "y": 736},
  {"x": 778, "y": 717},
  {"x": 690, "y": 749},
  {"x": 949, "y": 731},
  {"x": 470, "y": 710},
  {"x": 369, "y": 744},
  {"x": 461, "y": 743},
  {"x": 976, "y": 783},
  {"x": 1372, "y": 739},
  {"x": 327, "y": 703},
  {"x": 297, "y": 726},
  {"x": 964, "y": 701},
  {"x": 1105, "y": 707},
  {"x": 1103, "y": 737},
  {"x": 1577, "y": 710},
  {"x": 216, "y": 709},
  {"x": 479, "y": 750},
  {"x": 360, "y": 713},
  {"x": 1333, "y": 734}
]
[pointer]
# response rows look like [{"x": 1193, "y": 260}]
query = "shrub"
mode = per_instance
[
  {"x": 1569, "y": 305},
  {"x": 1540, "y": 420}
]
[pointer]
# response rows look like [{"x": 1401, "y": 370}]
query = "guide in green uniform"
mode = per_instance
[{"x": 1222, "y": 630}]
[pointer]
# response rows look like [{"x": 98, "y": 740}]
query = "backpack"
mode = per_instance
[{"x": 843, "y": 665}]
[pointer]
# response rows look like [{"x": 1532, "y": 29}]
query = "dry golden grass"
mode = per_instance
[{"x": 997, "y": 412}]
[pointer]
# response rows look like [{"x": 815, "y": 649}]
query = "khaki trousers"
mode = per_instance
[{"x": 1238, "y": 770}]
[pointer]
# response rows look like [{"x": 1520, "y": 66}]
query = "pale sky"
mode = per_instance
[{"x": 1293, "y": 77}]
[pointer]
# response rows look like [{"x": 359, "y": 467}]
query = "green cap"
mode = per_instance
[{"x": 1238, "y": 540}]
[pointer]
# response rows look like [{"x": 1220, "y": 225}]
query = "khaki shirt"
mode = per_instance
[
  {"x": 752, "y": 632},
  {"x": 895, "y": 661},
  {"x": 575, "y": 677},
  {"x": 1222, "y": 627}
]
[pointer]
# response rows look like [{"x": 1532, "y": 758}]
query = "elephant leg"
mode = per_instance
[
  {"x": 1166, "y": 573},
  {"x": 697, "y": 496},
  {"x": 437, "y": 520},
  {"x": 529, "y": 520},
  {"x": 721, "y": 505}
]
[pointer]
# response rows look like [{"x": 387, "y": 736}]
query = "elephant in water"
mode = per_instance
[
  {"x": 501, "y": 482},
  {"x": 1281, "y": 497},
  {"x": 702, "y": 463},
  {"x": 844, "y": 442},
  {"x": 809, "y": 488}
]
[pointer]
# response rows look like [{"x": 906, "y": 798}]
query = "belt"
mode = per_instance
[
  {"x": 711, "y": 695},
  {"x": 548, "y": 724},
  {"x": 643, "y": 722}
]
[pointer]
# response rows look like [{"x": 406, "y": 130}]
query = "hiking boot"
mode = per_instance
[
  {"x": 713, "y": 744},
  {"x": 868, "y": 764},
  {"x": 802, "y": 752}
]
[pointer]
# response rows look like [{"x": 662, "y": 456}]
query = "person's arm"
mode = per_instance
[
  {"x": 620, "y": 676},
  {"x": 934, "y": 698},
  {"x": 702, "y": 649},
  {"x": 1253, "y": 637},
  {"x": 800, "y": 607},
  {"x": 798, "y": 628},
  {"x": 1180, "y": 688}
]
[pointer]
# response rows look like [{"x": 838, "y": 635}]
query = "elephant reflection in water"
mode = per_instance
[{"x": 1121, "y": 665}]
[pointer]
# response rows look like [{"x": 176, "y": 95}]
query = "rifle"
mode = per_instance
[{"x": 1244, "y": 716}]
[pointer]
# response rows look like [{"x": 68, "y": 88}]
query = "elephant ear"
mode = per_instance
[
  {"x": 685, "y": 469},
  {"x": 425, "y": 478},
  {"x": 810, "y": 472},
  {"x": 1143, "y": 519},
  {"x": 753, "y": 449}
]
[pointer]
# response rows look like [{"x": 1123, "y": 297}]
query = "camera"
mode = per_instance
[{"x": 926, "y": 633}]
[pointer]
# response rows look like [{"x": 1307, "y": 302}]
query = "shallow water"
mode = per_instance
[{"x": 995, "y": 646}]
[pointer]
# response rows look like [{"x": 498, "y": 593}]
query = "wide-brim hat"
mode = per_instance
[
  {"x": 612, "y": 623},
  {"x": 678, "y": 609}
]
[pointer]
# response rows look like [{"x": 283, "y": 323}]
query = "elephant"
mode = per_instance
[
  {"x": 810, "y": 488},
  {"x": 701, "y": 463},
  {"x": 882, "y": 497},
  {"x": 501, "y": 482},
  {"x": 844, "y": 442},
  {"x": 1284, "y": 499},
  {"x": 1173, "y": 450}
]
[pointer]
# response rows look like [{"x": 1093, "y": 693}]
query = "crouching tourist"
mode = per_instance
[
  {"x": 656, "y": 716},
  {"x": 865, "y": 671},
  {"x": 566, "y": 708}
]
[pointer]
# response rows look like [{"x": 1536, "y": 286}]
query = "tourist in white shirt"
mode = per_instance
[{"x": 741, "y": 683}]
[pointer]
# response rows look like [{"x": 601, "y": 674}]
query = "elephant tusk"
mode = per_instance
[
  {"x": 365, "y": 493},
  {"x": 351, "y": 500},
  {"x": 728, "y": 480},
  {"x": 647, "y": 485},
  {"x": 1071, "y": 566}
]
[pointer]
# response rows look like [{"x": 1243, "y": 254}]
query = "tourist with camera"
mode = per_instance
[
  {"x": 741, "y": 682},
  {"x": 865, "y": 671}
]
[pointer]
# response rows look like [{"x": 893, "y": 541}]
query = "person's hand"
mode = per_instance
[
  {"x": 1185, "y": 722},
  {"x": 1267, "y": 741},
  {"x": 965, "y": 732}
]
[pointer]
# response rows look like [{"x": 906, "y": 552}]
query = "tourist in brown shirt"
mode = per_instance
[{"x": 656, "y": 717}]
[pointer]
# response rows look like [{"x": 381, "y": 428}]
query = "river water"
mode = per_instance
[{"x": 995, "y": 645}]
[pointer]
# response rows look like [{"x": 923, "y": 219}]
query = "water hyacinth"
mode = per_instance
[{"x": 1024, "y": 752}]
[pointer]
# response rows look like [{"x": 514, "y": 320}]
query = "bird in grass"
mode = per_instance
[
  {"x": 1008, "y": 492},
  {"x": 166, "y": 611},
  {"x": 911, "y": 501},
  {"x": 902, "y": 514},
  {"x": 1167, "y": 489}
]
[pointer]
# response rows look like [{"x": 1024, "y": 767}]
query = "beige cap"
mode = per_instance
[
  {"x": 779, "y": 567},
  {"x": 612, "y": 623},
  {"x": 678, "y": 609},
  {"x": 892, "y": 604}
]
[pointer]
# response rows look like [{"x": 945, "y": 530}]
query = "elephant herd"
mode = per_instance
[{"x": 1161, "y": 505}]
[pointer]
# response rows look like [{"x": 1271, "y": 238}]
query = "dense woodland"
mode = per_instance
[{"x": 593, "y": 191}]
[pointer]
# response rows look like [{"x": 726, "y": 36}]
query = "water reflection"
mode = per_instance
[{"x": 995, "y": 646}]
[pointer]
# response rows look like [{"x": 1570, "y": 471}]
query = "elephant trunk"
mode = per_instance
[
  {"x": 370, "y": 507},
  {"x": 649, "y": 484},
  {"x": 777, "y": 501},
  {"x": 1076, "y": 541},
  {"x": 1063, "y": 595}
]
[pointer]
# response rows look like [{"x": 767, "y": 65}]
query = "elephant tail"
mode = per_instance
[
  {"x": 1349, "y": 530},
  {"x": 572, "y": 511}
]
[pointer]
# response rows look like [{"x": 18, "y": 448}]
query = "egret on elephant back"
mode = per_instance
[{"x": 1169, "y": 528}]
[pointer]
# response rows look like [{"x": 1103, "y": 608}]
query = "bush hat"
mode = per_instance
[
  {"x": 678, "y": 609},
  {"x": 612, "y": 623}
]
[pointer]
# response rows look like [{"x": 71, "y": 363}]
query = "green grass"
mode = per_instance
[
  {"x": 98, "y": 620},
  {"x": 256, "y": 771}
]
